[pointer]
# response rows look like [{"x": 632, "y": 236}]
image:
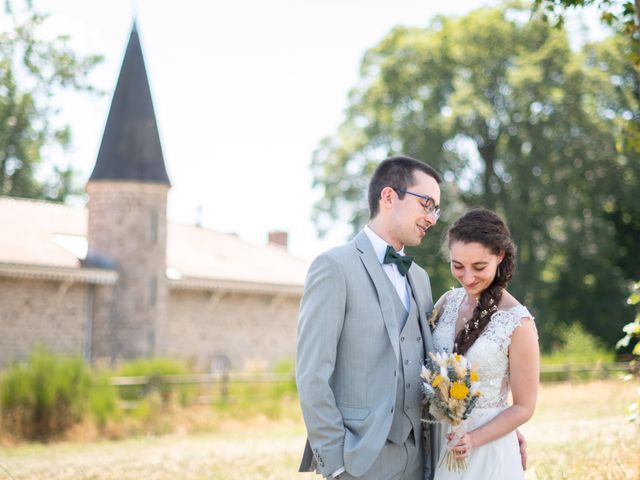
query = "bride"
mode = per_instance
[{"x": 487, "y": 324}]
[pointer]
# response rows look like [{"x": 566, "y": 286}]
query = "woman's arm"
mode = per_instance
[{"x": 524, "y": 367}]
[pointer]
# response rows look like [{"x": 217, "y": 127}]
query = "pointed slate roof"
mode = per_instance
[{"x": 130, "y": 148}]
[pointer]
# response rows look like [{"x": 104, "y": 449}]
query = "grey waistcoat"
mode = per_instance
[{"x": 408, "y": 394}]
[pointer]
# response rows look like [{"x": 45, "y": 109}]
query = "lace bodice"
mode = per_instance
[{"x": 489, "y": 355}]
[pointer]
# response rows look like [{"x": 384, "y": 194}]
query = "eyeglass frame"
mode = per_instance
[{"x": 435, "y": 210}]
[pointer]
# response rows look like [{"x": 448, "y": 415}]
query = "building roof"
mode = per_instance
[
  {"x": 39, "y": 236},
  {"x": 130, "y": 148}
]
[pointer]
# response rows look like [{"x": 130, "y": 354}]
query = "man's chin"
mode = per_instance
[{"x": 414, "y": 242}]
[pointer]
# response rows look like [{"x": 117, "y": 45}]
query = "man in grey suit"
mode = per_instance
[{"x": 363, "y": 337}]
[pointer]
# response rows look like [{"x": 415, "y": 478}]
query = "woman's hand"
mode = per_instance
[{"x": 463, "y": 446}]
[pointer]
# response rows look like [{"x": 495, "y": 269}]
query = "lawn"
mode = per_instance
[{"x": 579, "y": 431}]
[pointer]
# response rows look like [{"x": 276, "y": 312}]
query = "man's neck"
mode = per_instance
[{"x": 382, "y": 231}]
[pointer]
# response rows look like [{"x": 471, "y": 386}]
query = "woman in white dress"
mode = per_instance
[{"x": 487, "y": 324}]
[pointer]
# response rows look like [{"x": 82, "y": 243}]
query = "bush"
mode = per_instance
[
  {"x": 256, "y": 397},
  {"x": 103, "y": 400},
  {"x": 578, "y": 346},
  {"x": 153, "y": 369},
  {"x": 44, "y": 396}
]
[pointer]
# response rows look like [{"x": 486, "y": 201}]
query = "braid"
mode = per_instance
[{"x": 484, "y": 227}]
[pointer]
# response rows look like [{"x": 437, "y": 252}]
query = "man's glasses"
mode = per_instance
[{"x": 429, "y": 204}]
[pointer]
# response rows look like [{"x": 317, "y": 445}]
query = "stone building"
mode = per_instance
[{"x": 117, "y": 280}]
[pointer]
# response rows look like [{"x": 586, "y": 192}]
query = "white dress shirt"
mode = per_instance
[{"x": 398, "y": 280}]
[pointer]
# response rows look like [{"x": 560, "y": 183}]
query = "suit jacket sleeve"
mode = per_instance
[{"x": 322, "y": 311}]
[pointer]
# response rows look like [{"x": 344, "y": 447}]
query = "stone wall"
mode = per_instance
[
  {"x": 41, "y": 312},
  {"x": 251, "y": 330},
  {"x": 254, "y": 331}
]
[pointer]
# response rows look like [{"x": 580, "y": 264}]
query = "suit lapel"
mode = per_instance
[
  {"x": 377, "y": 275},
  {"x": 419, "y": 296}
]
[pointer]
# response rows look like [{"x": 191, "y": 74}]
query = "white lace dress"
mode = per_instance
[{"x": 489, "y": 355}]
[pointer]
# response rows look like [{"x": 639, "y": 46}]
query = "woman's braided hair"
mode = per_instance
[{"x": 486, "y": 228}]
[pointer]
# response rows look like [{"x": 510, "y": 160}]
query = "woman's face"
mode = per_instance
[{"x": 473, "y": 265}]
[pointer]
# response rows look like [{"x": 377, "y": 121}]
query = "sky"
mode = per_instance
[{"x": 243, "y": 92}]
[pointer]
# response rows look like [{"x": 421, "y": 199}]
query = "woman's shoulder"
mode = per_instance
[
  {"x": 448, "y": 297},
  {"x": 510, "y": 304},
  {"x": 512, "y": 313}
]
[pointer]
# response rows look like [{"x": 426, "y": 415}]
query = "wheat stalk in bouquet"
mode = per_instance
[{"x": 448, "y": 384}]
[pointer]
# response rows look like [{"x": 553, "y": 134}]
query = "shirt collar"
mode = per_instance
[{"x": 379, "y": 245}]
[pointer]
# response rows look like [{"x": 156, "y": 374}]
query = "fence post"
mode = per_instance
[{"x": 221, "y": 364}]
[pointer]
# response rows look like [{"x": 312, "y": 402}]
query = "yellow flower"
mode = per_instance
[
  {"x": 459, "y": 390},
  {"x": 436, "y": 381},
  {"x": 474, "y": 376}
]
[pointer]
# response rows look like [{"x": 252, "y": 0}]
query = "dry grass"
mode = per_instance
[{"x": 579, "y": 432}]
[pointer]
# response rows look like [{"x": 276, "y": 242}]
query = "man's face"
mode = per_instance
[{"x": 408, "y": 216}]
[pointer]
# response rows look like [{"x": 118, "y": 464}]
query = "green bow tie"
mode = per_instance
[{"x": 403, "y": 262}]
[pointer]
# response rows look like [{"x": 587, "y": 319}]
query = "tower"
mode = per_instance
[{"x": 127, "y": 225}]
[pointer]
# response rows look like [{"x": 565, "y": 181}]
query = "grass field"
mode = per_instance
[{"x": 579, "y": 431}]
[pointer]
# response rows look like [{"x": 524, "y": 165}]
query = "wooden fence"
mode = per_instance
[
  {"x": 208, "y": 387},
  {"x": 217, "y": 386},
  {"x": 584, "y": 371}
]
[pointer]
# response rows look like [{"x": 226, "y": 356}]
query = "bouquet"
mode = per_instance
[{"x": 448, "y": 383}]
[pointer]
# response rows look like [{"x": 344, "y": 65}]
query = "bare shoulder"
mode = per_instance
[{"x": 508, "y": 301}]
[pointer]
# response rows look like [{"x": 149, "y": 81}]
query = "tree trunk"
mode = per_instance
[{"x": 488, "y": 154}]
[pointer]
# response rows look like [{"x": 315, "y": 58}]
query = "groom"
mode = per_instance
[{"x": 363, "y": 337}]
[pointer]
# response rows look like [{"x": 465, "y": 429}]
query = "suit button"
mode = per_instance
[
  {"x": 391, "y": 409},
  {"x": 419, "y": 339},
  {"x": 402, "y": 339},
  {"x": 406, "y": 362},
  {"x": 395, "y": 373}
]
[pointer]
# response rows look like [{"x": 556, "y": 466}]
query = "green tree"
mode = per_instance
[
  {"x": 32, "y": 71},
  {"x": 632, "y": 335},
  {"x": 622, "y": 15},
  {"x": 516, "y": 121},
  {"x": 621, "y": 59}
]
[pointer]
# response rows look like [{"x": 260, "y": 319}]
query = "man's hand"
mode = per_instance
[{"x": 522, "y": 443}]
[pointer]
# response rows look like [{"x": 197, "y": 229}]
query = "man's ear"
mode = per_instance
[{"x": 387, "y": 197}]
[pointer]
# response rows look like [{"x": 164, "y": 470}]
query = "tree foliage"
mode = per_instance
[
  {"x": 517, "y": 122},
  {"x": 32, "y": 71},
  {"x": 622, "y": 15},
  {"x": 632, "y": 336}
]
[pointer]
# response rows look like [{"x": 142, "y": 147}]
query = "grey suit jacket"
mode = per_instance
[{"x": 347, "y": 357}]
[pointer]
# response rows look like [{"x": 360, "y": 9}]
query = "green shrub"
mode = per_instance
[
  {"x": 44, "y": 396},
  {"x": 269, "y": 397},
  {"x": 154, "y": 369},
  {"x": 580, "y": 356},
  {"x": 103, "y": 400},
  {"x": 578, "y": 346}
]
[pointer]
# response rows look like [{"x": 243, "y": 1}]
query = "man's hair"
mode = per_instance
[{"x": 397, "y": 173}]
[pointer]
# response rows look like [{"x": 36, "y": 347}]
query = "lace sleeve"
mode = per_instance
[{"x": 504, "y": 322}]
